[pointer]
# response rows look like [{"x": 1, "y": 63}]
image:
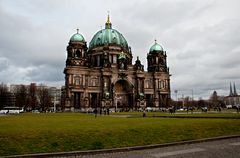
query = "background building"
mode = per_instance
[
  {"x": 102, "y": 75},
  {"x": 36, "y": 97},
  {"x": 233, "y": 98}
]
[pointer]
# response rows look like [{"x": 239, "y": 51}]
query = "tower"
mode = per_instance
[
  {"x": 157, "y": 66},
  {"x": 157, "y": 59},
  {"x": 77, "y": 59},
  {"x": 76, "y": 50},
  {"x": 231, "y": 93},
  {"x": 234, "y": 90}
]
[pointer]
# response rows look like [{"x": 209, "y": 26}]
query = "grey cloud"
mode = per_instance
[
  {"x": 201, "y": 38},
  {"x": 45, "y": 73}
]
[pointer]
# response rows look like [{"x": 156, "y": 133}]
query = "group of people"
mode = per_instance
[{"x": 106, "y": 111}]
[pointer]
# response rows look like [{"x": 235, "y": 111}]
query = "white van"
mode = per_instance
[{"x": 11, "y": 110}]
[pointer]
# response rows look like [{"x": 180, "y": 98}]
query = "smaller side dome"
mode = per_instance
[
  {"x": 77, "y": 37},
  {"x": 156, "y": 47}
]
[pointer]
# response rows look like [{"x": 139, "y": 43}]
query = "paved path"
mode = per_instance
[{"x": 227, "y": 148}]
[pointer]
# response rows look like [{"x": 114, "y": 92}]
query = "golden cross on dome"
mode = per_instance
[
  {"x": 108, "y": 18},
  {"x": 77, "y": 30},
  {"x": 108, "y": 24}
]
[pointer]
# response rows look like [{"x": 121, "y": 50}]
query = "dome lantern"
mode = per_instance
[
  {"x": 108, "y": 36},
  {"x": 108, "y": 24}
]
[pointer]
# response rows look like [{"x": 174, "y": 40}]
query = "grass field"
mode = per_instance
[
  {"x": 55, "y": 132},
  {"x": 210, "y": 114}
]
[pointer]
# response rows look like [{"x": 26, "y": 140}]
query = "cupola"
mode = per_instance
[
  {"x": 77, "y": 37},
  {"x": 155, "y": 48}
]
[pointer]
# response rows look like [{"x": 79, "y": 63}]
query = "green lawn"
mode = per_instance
[
  {"x": 210, "y": 114},
  {"x": 37, "y": 133}
]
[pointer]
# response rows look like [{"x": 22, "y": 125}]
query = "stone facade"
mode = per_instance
[{"x": 103, "y": 76}]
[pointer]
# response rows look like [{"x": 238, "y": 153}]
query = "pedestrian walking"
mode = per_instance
[{"x": 95, "y": 112}]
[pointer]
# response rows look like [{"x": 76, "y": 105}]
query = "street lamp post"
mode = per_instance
[
  {"x": 54, "y": 103},
  {"x": 176, "y": 93},
  {"x": 191, "y": 98},
  {"x": 192, "y": 94},
  {"x": 183, "y": 100}
]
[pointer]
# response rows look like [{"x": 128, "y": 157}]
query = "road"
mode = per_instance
[{"x": 227, "y": 148}]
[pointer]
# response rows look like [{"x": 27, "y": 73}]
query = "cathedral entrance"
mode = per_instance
[
  {"x": 77, "y": 100},
  {"x": 163, "y": 100},
  {"x": 123, "y": 97},
  {"x": 94, "y": 100},
  {"x": 149, "y": 100}
]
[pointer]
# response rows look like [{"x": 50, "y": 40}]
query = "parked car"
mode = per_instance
[
  {"x": 181, "y": 109},
  {"x": 163, "y": 109},
  {"x": 229, "y": 106},
  {"x": 35, "y": 111},
  {"x": 204, "y": 109},
  {"x": 3, "y": 111},
  {"x": 149, "y": 109}
]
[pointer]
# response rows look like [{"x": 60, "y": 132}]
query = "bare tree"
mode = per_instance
[
  {"x": 201, "y": 103},
  {"x": 32, "y": 100},
  {"x": 187, "y": 101},
  {"x": 21, "y": 97},
  {"x": 63, "y": 98},
  {"x": 214, "y": 100},
  {"x": 45, "y": 98},
  {"x": 3, "y": 95}
]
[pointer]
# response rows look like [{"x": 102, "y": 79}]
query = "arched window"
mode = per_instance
[
  {"x": 78, "y": 53},
  {"x": 110, "y": 58},
  {"x": 77, "y": 80},
  {"x": 98, "y": 60},
  {"x": 163, "y": 85},
  {"x": 114, "y": 59},
  {"x": 161, "y": 61},
  {"x": 166, "y": 84}
]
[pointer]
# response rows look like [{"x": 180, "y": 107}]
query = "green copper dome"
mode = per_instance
[
  {"x": 108, "y": 36},
  {"x": 156, "y": 47},
  {"x": 77, "y": 37}
]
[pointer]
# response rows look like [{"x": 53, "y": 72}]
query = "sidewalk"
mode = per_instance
[{"x": 126, "y": 149}]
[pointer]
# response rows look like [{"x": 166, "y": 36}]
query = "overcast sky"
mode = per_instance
[{"x": 202, "y": 38}]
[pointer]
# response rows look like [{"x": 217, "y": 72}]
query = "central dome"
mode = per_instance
[{"x": 108, "y": 36}]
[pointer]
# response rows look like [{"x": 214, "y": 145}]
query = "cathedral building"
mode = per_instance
[
  {"x": 233, "y": 98},
  {"x": 101, "y": 74}
]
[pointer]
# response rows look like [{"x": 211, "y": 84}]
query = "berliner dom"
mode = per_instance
[{"x": 100, "y": 75}]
